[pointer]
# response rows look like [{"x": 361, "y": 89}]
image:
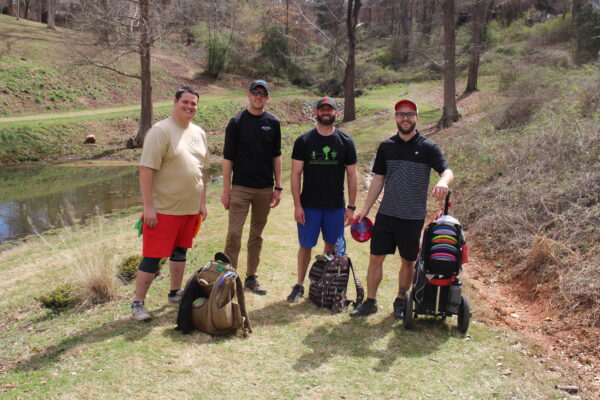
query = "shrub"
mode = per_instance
[
  {"x": 59, "y": 298},
  {"x": 507, "y": 79},
  {"x": 219, "y": 48},
  {"x": 128, "y": 267},
  {"x": 588, "y": 37},
  {"x": 97, "y": 275}
]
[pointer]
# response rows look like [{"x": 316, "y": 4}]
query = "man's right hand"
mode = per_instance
[
  {"x": 225, "y": 199},
  {"x": 359, "y": 217},
  {"x": 150, "y": 217},
  {"x": 299, "y": 215}
]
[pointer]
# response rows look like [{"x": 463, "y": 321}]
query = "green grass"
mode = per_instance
[{"x": 295, "y": 351}]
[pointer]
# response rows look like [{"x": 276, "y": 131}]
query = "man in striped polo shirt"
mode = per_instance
[{"x": 402, "y": 166}]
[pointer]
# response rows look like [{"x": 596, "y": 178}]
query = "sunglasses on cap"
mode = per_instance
[{"x": 256, "y": 92}]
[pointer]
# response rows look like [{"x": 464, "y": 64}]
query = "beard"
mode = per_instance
[
  {"x": 403, "y": 131},
  {"x": 327, "y": 121}
]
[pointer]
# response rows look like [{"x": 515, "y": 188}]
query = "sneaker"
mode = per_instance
[
  {"x": 251, "y": 283},
  {"x": 367, "y": 308},
  {"x": 139, "y": 312},
  {"x": 175, "y": 299},
  {"x": 399, "y": 305},
  {"x": 297, "y": 293}
]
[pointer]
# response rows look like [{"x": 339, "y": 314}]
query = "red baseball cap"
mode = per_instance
[{"x": 407, "y": 101}]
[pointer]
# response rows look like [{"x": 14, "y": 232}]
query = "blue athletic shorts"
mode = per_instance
[{"x": 330, "y": 222}]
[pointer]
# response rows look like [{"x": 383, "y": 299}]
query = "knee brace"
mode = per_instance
[
  {"x": 149, "y": 265},
  {"x": 178, "y": 254}
]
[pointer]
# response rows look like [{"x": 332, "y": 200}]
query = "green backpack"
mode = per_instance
[{"x": 221, "y": 308}]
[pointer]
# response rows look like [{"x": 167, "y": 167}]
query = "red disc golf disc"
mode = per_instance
[{"x": 361, "y": 232}]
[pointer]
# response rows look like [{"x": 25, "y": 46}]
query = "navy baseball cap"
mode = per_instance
[
  {"x": 326, "y": 100},
  {"x": 260, "y": 83}
]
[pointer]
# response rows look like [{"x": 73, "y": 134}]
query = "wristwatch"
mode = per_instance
[
  {"x": 353, "y": 208},
  {"x": 278, "y": 188}
]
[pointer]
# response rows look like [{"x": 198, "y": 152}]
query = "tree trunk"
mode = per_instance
[
  {"x": 406, "y": 27},
  {"x": 479, "y": 14},
  {"x": 428, "y": 13},
  {"x": 18, "y": 9},
  {"x": 40, "y": 10},
  {"x": 9, "y": 8},
  {"x": 450, "y": 113},
  {"x": 577, "y": 5},
  {"x": 349, "y": 95},
  {"x": 26, "y": 13},
  {"x": 51, "y": 14},
  {"x": 146, "y": 74}
]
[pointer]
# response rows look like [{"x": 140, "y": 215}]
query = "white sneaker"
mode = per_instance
[{"x": 139, "y": 313}]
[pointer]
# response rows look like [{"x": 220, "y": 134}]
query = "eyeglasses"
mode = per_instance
[
  {"x": 260, "y": 93},
  {"x": 410, "y": 115}
]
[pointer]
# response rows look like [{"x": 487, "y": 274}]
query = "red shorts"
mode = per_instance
[{"x": 170, "y": 232}]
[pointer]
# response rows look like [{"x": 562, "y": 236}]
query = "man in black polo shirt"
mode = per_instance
[
  {"x": 320, "y": 160},
  {"x": 252, "y": 154},
  {"x": 402, "y": 165}
]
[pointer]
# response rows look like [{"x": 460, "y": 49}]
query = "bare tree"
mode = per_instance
[
  {"x": 349, "y": 76},
  {"x": 123, "y": 28},
  {"x": 478, "y": 24},
  {"x": 51, "y": 6},
  {"x": 450, "y": 112}
]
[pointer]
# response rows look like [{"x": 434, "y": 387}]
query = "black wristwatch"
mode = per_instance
[
  {"x": 278, "y": 188},
  {"x": 353, "y": 208}
]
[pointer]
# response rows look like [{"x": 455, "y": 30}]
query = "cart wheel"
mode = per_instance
[
  {"x": 408, "y": 320},
  {"x": 464, "y": 314}
]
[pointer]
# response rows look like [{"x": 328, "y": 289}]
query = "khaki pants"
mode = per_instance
[{"x": 240, "y": 199}]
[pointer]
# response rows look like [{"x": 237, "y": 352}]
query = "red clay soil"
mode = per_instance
[{"x": 513, "y": 305}]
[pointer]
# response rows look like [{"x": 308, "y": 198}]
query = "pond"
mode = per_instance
[{"x": 35, "y": 198}]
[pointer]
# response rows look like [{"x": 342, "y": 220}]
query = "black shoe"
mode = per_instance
[
  {"x": 297, "y": 294},
  {"x": 367, "y": 308},
  {"x": 399, "y": 305},
  {"x": 251, "y": 283}
]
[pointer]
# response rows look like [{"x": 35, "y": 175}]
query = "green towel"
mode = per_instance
[{"x": 138, "y": 226}]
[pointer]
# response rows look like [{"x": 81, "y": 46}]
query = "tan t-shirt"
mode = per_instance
[{"x": 178, "y": 157}]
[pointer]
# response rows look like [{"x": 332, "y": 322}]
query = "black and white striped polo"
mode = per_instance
[{"x": 407, "y": 168}]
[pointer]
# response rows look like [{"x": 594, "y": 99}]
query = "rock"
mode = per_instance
[
  {"x": 90, "y": 139},
  {"x": 568, "y": 388}
]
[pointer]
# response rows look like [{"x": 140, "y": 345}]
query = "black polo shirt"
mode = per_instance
[
  {"x": 407, "y": 169},
  {"x": 251, "y": 143}
]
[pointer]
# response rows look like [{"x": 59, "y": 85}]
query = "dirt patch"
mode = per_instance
[{"x": 524, "y": 308}]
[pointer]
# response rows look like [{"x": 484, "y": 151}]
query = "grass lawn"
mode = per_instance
[{"x": 295, "y": 352}]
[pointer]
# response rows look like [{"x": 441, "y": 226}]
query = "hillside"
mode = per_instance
[{"x": 526, "y": 154}]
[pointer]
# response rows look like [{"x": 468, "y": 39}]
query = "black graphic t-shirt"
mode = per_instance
[
  {"x": 252, "y": 142},
  {"x": 325, "y": 160}
]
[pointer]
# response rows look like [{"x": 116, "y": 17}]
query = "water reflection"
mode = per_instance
[{"x": 45, "y": 197}]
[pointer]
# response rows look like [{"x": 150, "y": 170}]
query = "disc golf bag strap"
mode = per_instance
[
  {"x": 360, "y": 291},
  {"x": 242, "y": 302}
]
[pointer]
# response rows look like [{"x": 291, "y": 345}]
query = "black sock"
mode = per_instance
[
  {"x": 172, "y": 293},
  {"x": 137, "y": 303},
  {"x": 370, "y": 300}
]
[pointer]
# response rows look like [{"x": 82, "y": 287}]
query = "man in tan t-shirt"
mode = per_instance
[{"x": 173, "y": 188}]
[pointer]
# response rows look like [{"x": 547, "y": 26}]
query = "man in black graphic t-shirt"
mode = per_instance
[
  {"x": 402, "y": 165},
  {"x": 252, "y": 154},
  {"x": 321, "y": 158}
]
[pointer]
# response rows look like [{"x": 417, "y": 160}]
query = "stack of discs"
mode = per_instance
[{"x": 444, "y": 244}]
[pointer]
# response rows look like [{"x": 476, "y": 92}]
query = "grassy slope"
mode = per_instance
[{"x": 296, "y": 351}]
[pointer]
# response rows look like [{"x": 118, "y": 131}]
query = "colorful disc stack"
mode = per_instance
[{"x": 444, "y": 244}]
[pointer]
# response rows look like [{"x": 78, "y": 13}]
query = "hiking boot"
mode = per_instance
[
  {"x": 139, "y": 312},
  {"x": 175, "y": 299},
  {"x": 399, "y": 305},
  {"x": 297, "y": 293},
  {"x": 251, "y": 283},
  {"x": 367, "y": 308}
]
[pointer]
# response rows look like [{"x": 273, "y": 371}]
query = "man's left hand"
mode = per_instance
[
  {"x": 348, "y": 217},
  {"x": 276, "y": 198},
  {"x": 440, "y": 191}
]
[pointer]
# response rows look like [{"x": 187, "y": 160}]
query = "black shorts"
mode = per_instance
[{"x": 391, "y": 232}]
